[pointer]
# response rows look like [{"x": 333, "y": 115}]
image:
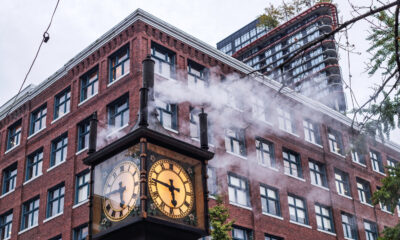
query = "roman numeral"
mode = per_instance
[
  {"x": 134, "y": 195},
  {"x": 171, "y": 210},
  {"x": 136, "y": 183},
  {"x": 162, "y": 205},
  {"x": 187, "y": 204},
  {"x": 113, "y": 214},
  {"x": 108, "y": 207},
  {"x": 171, "y": 166},
  {"x": 115, "y": 175},
  {"x": 162, "y": 166},
  {"x": 122, "y": 168}
]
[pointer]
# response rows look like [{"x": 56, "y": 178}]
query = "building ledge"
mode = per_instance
[
  {"x": 36, "y": 133},
  {"x": 30, "y": 180},
  {"x": 60, "y": 117},
  {"x": 236, "y": 155},
  {"x": 360, "y": 164},
  {"x": 120, "y": 77},
  {"x": 272, "y": 215},
  {"x": 345, "y": 196},
  {"x": 51, "y": 168},
  {"x": 300, "y": 224},
  {"x": 81, "y": 151},
  {"x": 322, "y": 187},
  {"x": 27, "y": 229},
  {"x": 241, "y": 206},
  {"x": 14, "y": 147},
  {"x": 87, "y": 99},
  {"x": 52, "y": 217},
  {"x": 314, "y": 143},
  {"x": 298, "y": 178},
  {"x": 367, "y": 204},
  {"x": 80, "y": 204},
  {"x": 7, "y": 193},
  {"x": 117, "y": 130},
  {"x": 327, "y": 232}
]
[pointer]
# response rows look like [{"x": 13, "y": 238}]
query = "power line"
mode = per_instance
[{"x": 45, "y": 39}]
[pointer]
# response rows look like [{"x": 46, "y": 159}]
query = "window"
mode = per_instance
[
  {"x": 235, "y": 141},
  {"x": 376, "y": 161},
  {"x": 58, "y": 237},
  {"x": 38, "y": 119},
  {"x": 55, "y": 201},
  {"x": 59, "y": 150},
  {"x": 271, "y": 237},
  {"x": 265, "y": 153},
  {"x": 81, "y": 232},
  {"x": 285, "y": 121},
  {"x": 14, "y": 135},
  {"x": 349, "y": 226},
  {"x": 197, "y": 76},
  {"x": 342, "y": 183},
  {"x": 260, "y": 110},
  {"x": 119, "y": 64},
  {"x": 118, "y": 112},
  {"x": 371, "y": 230},
  {"x": 324, "y": 218},
  {"x": 357, "y": 157},
  {"x": 292, "y": 163},
  {"x": 83, "y": 134},
  {"x": 82, "y": 187},
  {"x": 317, "y": 173},
  {"x": 238, "y": 190},
  {"x": 34, "y": 165},
  {"x": 383, "y": 206},
  {"x": 195, "y": 127},
  {"x": 9, "y": 178},
  {"x": 212, "y": 181},
  {"x": 241, "y": 234},
  {"x": 297, "y": 209},
  {"x": 89, "y": 84},
  {"x": 311, "y": 132},
  {"x": 364, "y": 191},
  {"x": 164, "y": 60},
  {"x": 391, "y": 163},
  {"x": 6, "y": 225},
  {"x": 62, "y": 103},
  {"x": 335, "y": 141},
  {"x": 270, "y": 200},
  {"x": 167, "y": 114},
  {"x": 30, "y": 213}
]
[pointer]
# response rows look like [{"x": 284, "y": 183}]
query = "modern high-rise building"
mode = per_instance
[
  {"x": 314, "y": 72},
  {"x": 283, "y": 162}
]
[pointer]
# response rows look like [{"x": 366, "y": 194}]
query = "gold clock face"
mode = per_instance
[
  {"x": 121, "y": 191},
  {"x": 171, "y": 189}
]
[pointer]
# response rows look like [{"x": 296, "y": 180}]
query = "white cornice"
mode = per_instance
[{"x": 139, "y": 14}]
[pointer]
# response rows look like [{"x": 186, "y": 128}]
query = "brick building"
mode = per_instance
[
  {"x": 287, "y": 176},
  {"x": 314, "y": 73}
]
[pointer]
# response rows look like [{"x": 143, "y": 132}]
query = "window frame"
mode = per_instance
[
  {"x": 324, "y": 217},
  {"x": 372, "y": 231},
  {"x": 286, "y": 123},
  {"x": 88, "y": 82},
  {"x": 30, "y": 213},
  {"x": 59, "y": 199},
  {"x": 344, "y": 181},
  {"x": 6, "y": 227},
  {"x": 79, "y": 186},
  {"x": 77, "y": 232},
  {"x": 247, "y": 233},
  {"x": 376, "y": 158},
  {"x": 239, "y": 138},
  {"x": 9, "y": 181},
  {"x": 244, "y": 189},
  {"x": 35, "y": 162},
  {"x": 271, "y": 237},
  {"x": 313, "y": 134},
  {"x": 276, "y": 201},
  {"x": 115, "y": 56},
  {"x": 112, "y": 112},
  {"x": 335, "y": 144},
  {"x": 351, "y": 225},
  {"x": 83, "y": 129},
  {"x": 65, "y": 103},
  {"x": 14, "y": 132},
  {"x": 296, "y": 208},
  {"x": 34, "y": 119},
  {"x": 62, "y": 138},
  {"x": 169, "y": 110},
  {"x": 291, "y": 163},
  {"x": 321, "y": 172},
  {"x": 169, "y": 58},
  {"x": 364, "y": 192},
  {"x": 213, "y": 189}
]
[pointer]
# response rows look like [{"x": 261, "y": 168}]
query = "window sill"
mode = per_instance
[
  {"x": 171, "y": 130},
  {"x": 322, "y": 187},
  {"x": 367, "y": 204},
  {"x": 272, "y": 215},
  {"x": 345, "y": 196},
  {"x": 51, "y": 168},
  {"x": 362, "y": 165},
  {"x": 55, "y": 120},
  {"x": 166, "y": 77},
  {"x": 388, "y": 212},
  {"x": 80, "y": 204},
  {"x": 35, "y": 133},
  {"x": 27, "y": 229},
  {"x": 327, "y": 232},
  {"x": 116, "y": 80},
  {"x": 198, "y": 140},
  {"x": 349, "y": 238},
  {"x": 241, "y": 206},
  {"x": 286, "y": 131},
  {"x": 212, "y": 196},
  {"x": 338, "y": 154},
  {"x": 116, "y": 130},
  {"x": 87, "y": 99},
  {"x": 381, "y": 173},
  {"x": 7, "y": 193},
  {"x": 314, "y": 143},
  {"x": 30, "y": 180},
  {"x": 9, "y": 150},
  {"x": 52, "y": 217},
  {"x": 298, "y": 178},
  {"x": 300, "y": 224},
  {"x": 81, "y": 151},
  {"x": 237, "y": 155}
]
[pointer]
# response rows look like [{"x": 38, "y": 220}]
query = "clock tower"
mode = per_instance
[{"x": 148, "y": 185}]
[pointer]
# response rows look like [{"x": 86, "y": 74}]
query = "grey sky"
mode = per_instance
[{"x": 78, "y": 23}]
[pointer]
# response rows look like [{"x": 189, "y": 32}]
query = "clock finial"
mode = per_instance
[{"x": 203, "y": 130}]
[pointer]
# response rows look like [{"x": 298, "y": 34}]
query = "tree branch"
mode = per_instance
[{"x": 396, "y": 36}]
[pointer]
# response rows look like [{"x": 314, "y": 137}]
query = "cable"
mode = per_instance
[{"x": 45, "y": 39}]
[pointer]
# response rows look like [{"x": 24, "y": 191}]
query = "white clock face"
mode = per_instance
[{"x": 121, "y": 191}]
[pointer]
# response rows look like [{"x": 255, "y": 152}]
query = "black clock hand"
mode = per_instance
[
  {"x": 171, "y": 189},
  {"x": 162, "y": 183},
  {"x": 121, "y": 194}
]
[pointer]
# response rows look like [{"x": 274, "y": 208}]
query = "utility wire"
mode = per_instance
[{"x": 45, "y": 39}]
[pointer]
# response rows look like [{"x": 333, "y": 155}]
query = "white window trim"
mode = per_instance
[
  {"x": 367, "y": 204},
  {"x": 117, "y": 130},
  {"x": 81, "y": 151},
  {"x": 59, "y": 117},
  {"x": 349, "y": 238},
  {"x": 35, "y": 133},
  {"x": 14, "y": 147},
  {"x": 27, "y": 229},
  {"x": 30, "y": 180},
  {"x": 116, "y": 80},
  {"x": 87, "y": 99},
  {"x": 300, "y": 224},
  {"x": 322, "y": 187},
  {"x": 266, "y": 166},
  {"x": 298, "y": 178},
  {"x": 327, "y": 232},
  {"x": 171, "y": 130},
  {"x": 272, "y": 215},
  {"x": 241, "y": 206},
  {"x": 237, "y": 155},
  {"x": 314, "y": 143},
  {"x": 49, "y": 169},
  {"x": 291, "y": 133},
  {"x": 7, "y": 193},
  {"x": 52, "y": 217},
  {"x": 81, "y": 203},
  {"x": 362, "y": 165},
  {"x": 198, "y": 140},
  {"x": 337, "y": 154},
  {"x": 166, "y": 77},
  {"x": 381, "y": 173},
  {"x": 348, "y": 197},
  {"x": 385, "y": 211}
]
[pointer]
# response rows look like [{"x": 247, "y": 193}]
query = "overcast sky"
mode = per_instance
[{"x": 78, "y": 23}]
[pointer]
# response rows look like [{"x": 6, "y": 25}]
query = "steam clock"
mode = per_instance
[{"x": 147, "y": 184}]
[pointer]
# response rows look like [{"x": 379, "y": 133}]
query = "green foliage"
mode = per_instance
[
  {"x": 389, "y": 195},
  {"x": 219, "y": 215}
]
